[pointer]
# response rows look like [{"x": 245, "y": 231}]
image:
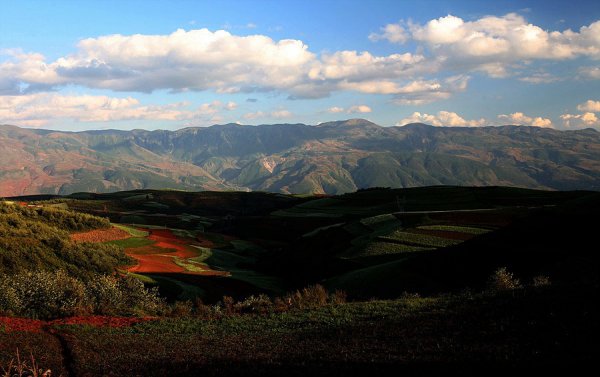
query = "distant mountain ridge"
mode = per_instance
[{"x": 332, "y": 158}]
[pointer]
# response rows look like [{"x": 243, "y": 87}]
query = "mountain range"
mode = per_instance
[{"x": 331, "y": 158}]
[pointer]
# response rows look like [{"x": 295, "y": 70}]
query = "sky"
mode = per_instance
[{"x": 82, "y": 65}]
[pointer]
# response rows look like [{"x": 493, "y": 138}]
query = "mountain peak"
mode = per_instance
[{"x": 355, "y": 122}]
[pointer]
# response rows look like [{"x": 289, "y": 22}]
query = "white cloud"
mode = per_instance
[
  {"x": 590, "y": 106},
  {"x": 590, "y": 72},
  {"x": 442, "y": 119},
  {"x": 222, "y": 62},
  {"x": 506, "y": 38},
  {"x": 540, "y": 78},
  {"x": 40, "y": 109},
  {"x": 577, "y": 121},
  {"x": 182, "y": 60},
  {"x": 519, "y": 118},
  {"x": 394, "y": 33},
  {"x": 359, "y": 109},
  {"x": 219, "y": 61},
  {"x": 335, "y": 110},
  {"x": 426, "y": 91},
  {"x": 494, "y": 45}
]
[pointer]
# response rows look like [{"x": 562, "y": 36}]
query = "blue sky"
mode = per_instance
[{"x": 78, "y": 65}]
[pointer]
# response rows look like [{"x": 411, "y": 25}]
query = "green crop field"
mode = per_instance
[
  {"x": 418, "y": 239},
  {"x": 455, "y": 228},
  {"x": 385, "y": 248},
  {"x": 131, "y": 242}
]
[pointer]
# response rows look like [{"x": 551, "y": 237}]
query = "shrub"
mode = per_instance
[
  {"x": 106, "y": 294},
  {"x": 181, "y": 309},
  {"x": 260, "y": 304},
  {"x": 228, "y": 305},
  {"x": 338, "y": 297},
  {"x": 541, "y": 281},
  {"x": 43, "y": 294},
  {"x": 312, "y": 296},
  {"x": 503, "y": 280}
]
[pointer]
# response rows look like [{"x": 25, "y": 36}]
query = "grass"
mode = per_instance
[
  {"x": 455, "y": 228},
  {"x": 376, "y": 221},
  {"x": 191, "y": 265},
  {"x": 386, "y": 248},
  {"x": 131, "y": 230},
  {"x": 141, "y": 277},
  {"x": 131, "y": 242}
]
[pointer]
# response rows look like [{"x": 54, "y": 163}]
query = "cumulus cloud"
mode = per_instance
[
  {"x": 40, "y": 109},
  {"x": 222, "y": 62},
  {"x": 442, "y": 119},
  {"x": 590, "y": 106},
  {"x": 509, "y": 37},
  {"x": 182, "y": 60},
  {"x": 522, "y": 119},
  {"x": 577, "y": 121},
  {"x": 494, "y": 44},
  {"x": 219, "y": 61}
]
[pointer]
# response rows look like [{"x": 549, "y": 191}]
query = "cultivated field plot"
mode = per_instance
[{"x": 387, "y": 236}]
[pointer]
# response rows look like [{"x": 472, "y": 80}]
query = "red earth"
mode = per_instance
[
  {"x": 10, "y": 324},
  {"x": 160, "y": 256}
]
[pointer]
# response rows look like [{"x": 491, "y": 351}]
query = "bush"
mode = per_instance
[
  {"x": 541, "y": 281},
  {"x": 43, "y": 294},
  {"x": 502, "y": 280},
  {"x": 310, "y": 297},
  {"x": 260, "y": 304}
]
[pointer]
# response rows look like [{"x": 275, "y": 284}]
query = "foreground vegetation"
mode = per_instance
[
  {"x": 542, "y": 328},
  {"x": 457, "y": 277}
]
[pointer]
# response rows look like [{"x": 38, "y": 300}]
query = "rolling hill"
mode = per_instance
[{"x": 331, "y": 158}]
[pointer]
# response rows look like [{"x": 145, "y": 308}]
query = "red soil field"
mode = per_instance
[
  {"x": 101, "y": 235},
  {"x": 151, "y": 261},
  {"x": 10, "y": 324}
]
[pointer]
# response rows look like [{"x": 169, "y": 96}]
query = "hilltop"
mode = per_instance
[{"x": 331, "y": 158}]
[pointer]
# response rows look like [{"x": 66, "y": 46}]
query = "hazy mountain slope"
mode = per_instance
[{"x": 333, "y": 157}]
